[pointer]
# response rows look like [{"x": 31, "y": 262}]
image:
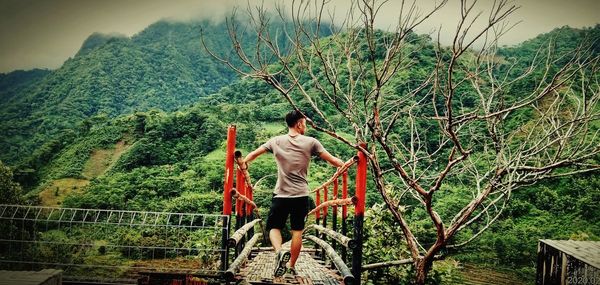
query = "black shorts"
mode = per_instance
[{"x": 295, "y": 207}]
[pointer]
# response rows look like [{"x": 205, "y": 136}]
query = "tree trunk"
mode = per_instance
[{"x": 422, "y": 269}]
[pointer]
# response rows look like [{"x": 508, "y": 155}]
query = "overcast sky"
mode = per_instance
[{"x": 44, "y": 33}]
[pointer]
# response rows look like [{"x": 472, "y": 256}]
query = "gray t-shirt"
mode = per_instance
[{"x": 292, "y": 155}]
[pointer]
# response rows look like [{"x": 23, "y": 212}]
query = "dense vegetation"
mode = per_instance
[
  {"x": 142, "y": 122},
  {"x": 12, "y": 84}
]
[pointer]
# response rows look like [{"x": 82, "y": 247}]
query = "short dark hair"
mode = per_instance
[{"x": 293, "y": 117}]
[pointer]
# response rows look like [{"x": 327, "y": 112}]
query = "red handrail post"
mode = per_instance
[
  {"x": 359, "y": 212},
  {"x": 229, "y": 156},
  {"x": 361, "y": 183},
  {"x": 325, "y": 198},
  {"x": 249, "y": 210},
  {"x": 317, "y": 213},
  {"x": 344, "y": 211},
  {"x": 317, "y": 203},
  {"x": 325, "y": 209},
  {"x": 240, "y": 187},
  {"x": 228, "y": 186},
  {"x": 335, "y": 208}
]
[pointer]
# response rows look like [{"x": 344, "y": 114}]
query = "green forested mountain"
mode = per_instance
[
  {"x": 96, "y": 40},
  {"x": 14, "y": 83},
  {"x": 563, "y": 39},
  {"x": 165, "y": 66},
  {"x": 162, "y": 67}
]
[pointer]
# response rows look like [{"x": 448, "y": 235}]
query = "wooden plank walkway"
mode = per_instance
[{"x": 259, "y": 271}]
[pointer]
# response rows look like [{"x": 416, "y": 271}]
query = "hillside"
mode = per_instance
[
  {"x": 144, "y": 160},
  {"x": 163, "y": 67},
  {"x": 14, "y": 83}
]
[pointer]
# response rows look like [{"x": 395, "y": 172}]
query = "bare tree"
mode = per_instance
[{"x": 449, "y": 124}]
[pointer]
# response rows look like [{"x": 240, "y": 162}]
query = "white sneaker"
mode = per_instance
[{"x": 281, "y": 259}]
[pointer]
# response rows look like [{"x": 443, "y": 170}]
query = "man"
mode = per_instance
[{"x": 292, "y": 153}]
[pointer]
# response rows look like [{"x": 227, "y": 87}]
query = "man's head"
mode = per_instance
[{"x": 295, "y": 120}]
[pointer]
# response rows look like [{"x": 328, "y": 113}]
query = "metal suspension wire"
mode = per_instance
[
  {"x": 109, "y": 217},
  {"x": 107, "y": 242}
]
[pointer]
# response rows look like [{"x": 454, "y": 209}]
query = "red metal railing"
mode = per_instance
[{"x": 227, "y": 185}]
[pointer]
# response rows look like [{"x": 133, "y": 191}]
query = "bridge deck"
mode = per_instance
[{"x": 259, "y": 270}]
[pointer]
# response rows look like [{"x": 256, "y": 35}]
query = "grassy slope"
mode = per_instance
[{"x": 100, "y": 161}]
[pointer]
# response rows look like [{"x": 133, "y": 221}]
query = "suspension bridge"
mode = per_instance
[{"x": 100, "y": 246}]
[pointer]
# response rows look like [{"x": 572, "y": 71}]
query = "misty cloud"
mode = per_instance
[{"x": 44, "y": 34}]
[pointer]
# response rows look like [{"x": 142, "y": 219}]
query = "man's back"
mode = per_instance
[{"x": 292, "y": 154}]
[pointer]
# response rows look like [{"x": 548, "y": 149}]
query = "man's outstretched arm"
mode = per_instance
[
  {"x": 331, "y": 159},
  {"x": 253, "y": 155}
]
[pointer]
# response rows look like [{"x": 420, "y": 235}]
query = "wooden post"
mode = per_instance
[
  {"x": 335, "y": 259},
  {"x": 343, "y": 240},
  {"x": 359, "y": 212},
  {"x": 227, "y": 185},
  {"x": 235, "y": 266},
  {"x": 541, "y": 253},
  {"x": 236, "y": 238}
]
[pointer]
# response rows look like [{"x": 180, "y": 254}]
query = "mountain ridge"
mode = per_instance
[{"x": 156, "y": 68}]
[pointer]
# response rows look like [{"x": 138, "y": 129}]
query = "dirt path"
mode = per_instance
[{"x": 102, "y": 159}]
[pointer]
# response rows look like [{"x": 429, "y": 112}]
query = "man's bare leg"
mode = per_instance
[
  {"x": 295, "y": 247},
  {"x": 281, "y": 256},
  {"x": 276, "y": 239}
]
